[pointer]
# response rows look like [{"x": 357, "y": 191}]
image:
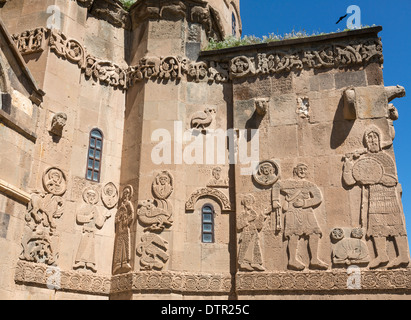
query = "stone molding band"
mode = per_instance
[
  {"x": 14, "y": 192},
  {"x": 177, "y": 282},
  {"x": 384, "y": 280},
  {"x": 42, "y": 275},
  {"x": 172, "y": 68}
]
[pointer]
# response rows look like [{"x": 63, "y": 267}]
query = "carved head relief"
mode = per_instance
[
  {"x": 109, "y": 195},
  {"x": 90, "y": 196},
  {"x": 163, "y": 185},
  {"x": 261, "y": 106},
  {"x": 58, "y": 123},
  {"x": 54, "y": 181},
  {"x": 267, "y": 173},
  {"x": 301, "y": 171},
  {"x": 372, "y": 139}
]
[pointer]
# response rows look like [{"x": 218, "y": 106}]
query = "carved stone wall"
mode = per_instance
[{"x": 318, "y": 212}]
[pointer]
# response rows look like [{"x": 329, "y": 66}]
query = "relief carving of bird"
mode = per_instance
[{"x": 203, "y": 119}]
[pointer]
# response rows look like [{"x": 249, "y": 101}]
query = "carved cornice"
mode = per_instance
[
  {"x": 329, "y": 281},
  {"x": 173, "y": 68},
  {"x": 71, "y": 281},
  {"x": 176, "y": 282},
  {"x": 169, "y": 68},
  {"x": 14, "y": 192},
  {"x": 360, "y": 52}
]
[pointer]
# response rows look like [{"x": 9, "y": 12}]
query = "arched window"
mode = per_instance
[
  {"x": 207, "y": 232},
  {"x": 95, "y": 150},
  {"x": 234, "y": 24}
]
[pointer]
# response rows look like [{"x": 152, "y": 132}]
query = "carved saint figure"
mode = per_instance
[
  {"x": 250, "y": 224},
  {"x": 124, "y": 220},
  {"x": 267, "y": 173},
  {"x": 43, "y": 210},
  {"x": 217, "y": 181},
  {"x": 91, "y": 219},
  {"x": 301, "y": 197},
  {"x": 374, "y": 170}
]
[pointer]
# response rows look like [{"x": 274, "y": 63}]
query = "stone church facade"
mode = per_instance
[{"x": 136, "y": 165}]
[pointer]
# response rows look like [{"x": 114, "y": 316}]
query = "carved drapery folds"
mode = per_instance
[
  {"x": 125, "y": 217},
  {"x": 44, "y": 210},
  {"x": 91, "y": 219}
]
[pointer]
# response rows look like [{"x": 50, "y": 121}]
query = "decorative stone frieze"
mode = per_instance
[
  {"x": 70, "y": 281},
  {"x": 327, "y": 281},
  {"x": 172, "y": 282}
]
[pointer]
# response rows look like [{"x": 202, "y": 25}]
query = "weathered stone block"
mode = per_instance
[{"x": 350, "y": 78}]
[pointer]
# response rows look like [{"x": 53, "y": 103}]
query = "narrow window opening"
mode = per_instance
[
  {"x": 207, "y": 232},
  {"x": 94, "y": 156}
]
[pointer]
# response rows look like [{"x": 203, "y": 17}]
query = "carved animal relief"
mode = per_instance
[
  {"x": 153, "y": 251},
  {"x": 349, "y": 247},
  {"x": 157, "y": 214},
  {"x": 203, "y": 119},
  {"x": 41, "y": 218}
]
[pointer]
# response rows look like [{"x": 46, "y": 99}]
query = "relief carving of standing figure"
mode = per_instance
[
  {"x": 250, "y": 224},
  {"x": 91, "y": 219},
  {"x": 374, "y": 170},
  {"x": 301, "y": 197},
  {"x": 123, "y": 221}
]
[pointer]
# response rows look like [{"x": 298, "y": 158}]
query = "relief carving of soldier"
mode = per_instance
[
  {"x": 301, "y": 197},
  {"x": 374, "y": 170}
]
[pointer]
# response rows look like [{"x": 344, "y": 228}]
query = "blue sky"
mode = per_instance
[{"x": 262, "y": 17}]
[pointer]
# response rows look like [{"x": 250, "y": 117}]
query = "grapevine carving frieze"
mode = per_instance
[
  {"x": 332, "y": 56},
  {"x": 175, "y": 68}
]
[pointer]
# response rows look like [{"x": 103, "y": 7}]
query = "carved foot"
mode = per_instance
[
  {"x": 246, "y": 267},
  {"x": 377, "y": 262},
  {"x": 79, "y": 265},
  {"x": 318, "y": 265},
  {"x": 296, "y": 265},
  {"x": 398, "y": 262},
  {"x": 92, "y": 267},
  {"x": 258, "y": 267}
]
